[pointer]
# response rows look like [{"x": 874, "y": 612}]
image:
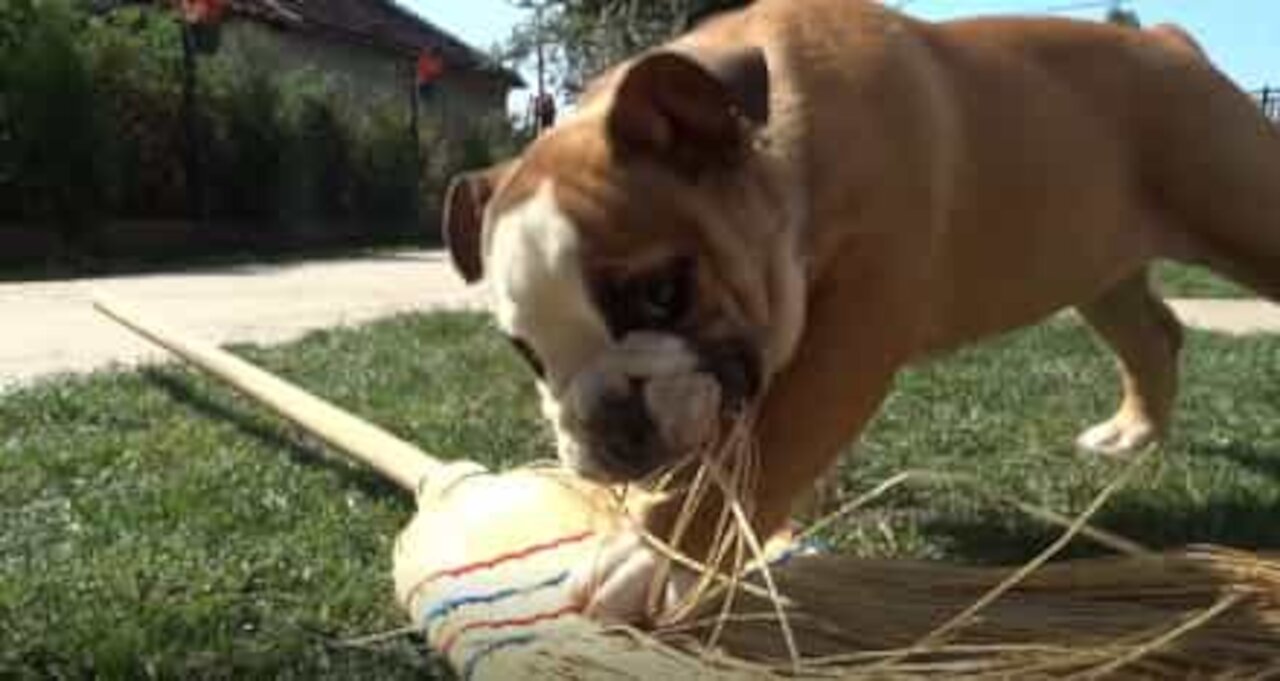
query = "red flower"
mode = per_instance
[
  {"x": 430, "y": 67},
  {"x": 203, "y": 11}
]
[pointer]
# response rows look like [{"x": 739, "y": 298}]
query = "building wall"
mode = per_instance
[
  {"x": 464, "y": 100},
  {"x": 363, "y": 74},
  {"x": 360, "y": 73}
]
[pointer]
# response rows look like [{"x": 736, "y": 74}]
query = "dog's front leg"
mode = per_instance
[{"x": 839, "y": 377}]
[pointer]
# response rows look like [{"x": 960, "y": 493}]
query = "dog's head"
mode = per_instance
[{"x": 627, "y": 258}]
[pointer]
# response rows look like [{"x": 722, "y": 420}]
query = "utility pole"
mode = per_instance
[
  {"x": 542, "y": 71},
  {"x": 537, "y": 22},
  {"x": 193, "y": 167},
  {"x": 543, "y": 107}
]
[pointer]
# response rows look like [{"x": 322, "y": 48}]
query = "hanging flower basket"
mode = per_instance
[
  {"x": 198, "y": 12},
  {"x": 430, "y": 68},
  {"x": 203, "y": 19}
]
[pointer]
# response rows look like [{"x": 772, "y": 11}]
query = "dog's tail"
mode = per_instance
[{"x": 1215, "y": 161}]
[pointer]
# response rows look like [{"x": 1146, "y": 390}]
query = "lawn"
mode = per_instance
[
  {"x": 1189, "y": 281},
  {"x": 157, "y": 526}
]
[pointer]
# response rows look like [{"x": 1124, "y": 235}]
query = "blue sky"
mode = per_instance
[{"x": 1243, "y": 36}]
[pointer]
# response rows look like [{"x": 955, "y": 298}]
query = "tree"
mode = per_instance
[
  {"x": 580, "y": 38},
  {"x": 1123, "y": 17}
]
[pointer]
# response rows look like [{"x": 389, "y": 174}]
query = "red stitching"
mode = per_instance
[
  {"x": 505, "y": 558},
  {"x": 504, "y": 623}
]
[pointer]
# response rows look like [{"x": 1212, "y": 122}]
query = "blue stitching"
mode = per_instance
[{"x": 453, "y": 604}]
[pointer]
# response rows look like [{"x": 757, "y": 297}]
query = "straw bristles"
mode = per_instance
[
  {"x": 1190, "y": 615},
  {"x": 1207, "y": 612}
]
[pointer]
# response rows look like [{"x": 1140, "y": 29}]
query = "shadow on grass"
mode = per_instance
[
  {"x": 991, "y": 536},
  {"x": 300, "y": 447},
  {"x": 1261, "y": 462}
]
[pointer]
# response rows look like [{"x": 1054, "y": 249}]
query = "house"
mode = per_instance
[
  {"x": 1269, "y": 100},
  {"x": 368, "y": 50}
]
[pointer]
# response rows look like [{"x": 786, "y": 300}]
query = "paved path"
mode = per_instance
[
  {"x": 1229, "y": 316},
  {"x": 49, "y": 327}
]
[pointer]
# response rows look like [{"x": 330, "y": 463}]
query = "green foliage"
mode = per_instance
[
  {"x": 246, "y": 143},
  {"x": 487, "y": 140},
  {"x": 92, "y": 127},
  {"x": 582, "y": 37},
  {"x": 135, "y": 55},
  {"x": 386, "y": 168},
  {"x": 320, "y": 160},
  {"x": 490, "y": 140},
  {"x": 48, "y": 128}
]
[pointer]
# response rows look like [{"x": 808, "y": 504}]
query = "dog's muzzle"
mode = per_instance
[{"x": 653, "y": 403}]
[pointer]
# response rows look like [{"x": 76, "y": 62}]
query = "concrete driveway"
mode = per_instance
[{"x": 50, "y": 327}]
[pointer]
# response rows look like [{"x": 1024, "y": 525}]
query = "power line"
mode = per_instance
[
  {"x": 1082, "y": 5},
  {"x": 1111, "y": 5}
]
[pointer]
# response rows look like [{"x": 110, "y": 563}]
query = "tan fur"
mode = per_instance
[{"x": 922, "y": 186}]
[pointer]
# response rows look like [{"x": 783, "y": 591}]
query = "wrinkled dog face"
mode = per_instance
[
  {"x": 625, "y": 376},
  {"x": 640, "y": 356}
]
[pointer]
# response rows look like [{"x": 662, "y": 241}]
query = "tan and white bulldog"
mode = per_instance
[{"x": 781, "y": 209}]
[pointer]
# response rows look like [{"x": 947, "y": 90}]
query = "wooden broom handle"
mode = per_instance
[{"x": 394, "y": 458}]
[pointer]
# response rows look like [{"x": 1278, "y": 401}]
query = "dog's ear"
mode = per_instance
[
  {"x": 463, "y": 221},
  {"x": 691, "y": 112}
]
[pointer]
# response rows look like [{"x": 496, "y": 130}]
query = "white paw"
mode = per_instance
[
  {"x": 1119, "y": 437},
  {"x": 629, "y": 583}
]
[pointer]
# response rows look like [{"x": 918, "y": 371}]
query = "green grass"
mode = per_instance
[
  {"x": 154, "y": 525},
  {"x": 1007, "y": 413},
  {"x": 1189, "y": 281}
]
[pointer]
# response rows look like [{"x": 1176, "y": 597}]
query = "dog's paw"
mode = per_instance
[
  {"x": 629, "y": 582},
  {"x": 1121, "y": 436}
]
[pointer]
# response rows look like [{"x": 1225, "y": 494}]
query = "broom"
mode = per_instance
[{"x": 482, "y": 571}]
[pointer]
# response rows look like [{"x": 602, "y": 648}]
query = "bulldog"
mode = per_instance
[{"x": 777, "y": 211}]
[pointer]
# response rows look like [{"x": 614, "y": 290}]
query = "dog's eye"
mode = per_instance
[
  {"x": 662, "y": 300},
  {"x": 656, "y": 301},
  {"x": 529, "y": 355}
]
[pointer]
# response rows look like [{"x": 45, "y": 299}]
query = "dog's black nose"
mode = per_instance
[
  {"x": 626, "y": 441},
  {"x": 736, "y": 365}
]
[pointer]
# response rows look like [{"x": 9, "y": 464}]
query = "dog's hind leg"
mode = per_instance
[{"x": 1146, "y": 338}]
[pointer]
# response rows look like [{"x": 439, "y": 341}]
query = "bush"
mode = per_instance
[
  {"x": 49, "y": 171},
  {"x": 486, "y": 141},
  {"x": 247, "y": 142},
  {"x": 135, "y": 55},
  {"x": 320, "y": 162},
  {"x": 92, "y": 127},
  {"x": 386, "y": 170}
]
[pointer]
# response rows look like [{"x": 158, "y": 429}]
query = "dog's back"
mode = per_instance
[{"x": 1049, "y": 137}]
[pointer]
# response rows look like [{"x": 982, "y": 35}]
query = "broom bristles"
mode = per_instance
[{"x": 1204, "y": 613}]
